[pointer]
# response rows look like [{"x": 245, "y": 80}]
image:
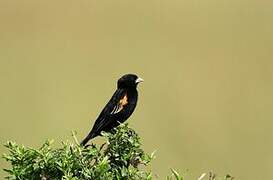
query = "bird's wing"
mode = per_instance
[
  {"x": 123, "y": 101},
  {"x": 114, "y": 106}
]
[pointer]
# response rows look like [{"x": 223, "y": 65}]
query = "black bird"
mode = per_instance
[{"x": 119, "y": 108}]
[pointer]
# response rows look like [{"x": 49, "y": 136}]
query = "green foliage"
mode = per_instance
[{"x": 120, "y": 158}]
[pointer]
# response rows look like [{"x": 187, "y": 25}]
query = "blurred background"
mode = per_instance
[{"x": 206, "y": 103}]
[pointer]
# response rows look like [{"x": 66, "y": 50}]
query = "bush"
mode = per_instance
[{"x": 120, "y": 158}]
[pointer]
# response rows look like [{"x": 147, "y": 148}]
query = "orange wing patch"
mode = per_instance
[{"x": 124, "y": 101}]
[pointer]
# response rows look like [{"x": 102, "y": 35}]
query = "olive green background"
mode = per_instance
[{"x": 207, "y": 100}]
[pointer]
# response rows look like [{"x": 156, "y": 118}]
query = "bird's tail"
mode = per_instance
[{"x": 87, "y": 138}]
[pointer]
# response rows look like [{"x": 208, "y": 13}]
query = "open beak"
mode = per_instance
[{"x": 139, "y": 80}]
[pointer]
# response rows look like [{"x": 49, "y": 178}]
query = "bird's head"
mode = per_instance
[{"x": 129, "y": 81}]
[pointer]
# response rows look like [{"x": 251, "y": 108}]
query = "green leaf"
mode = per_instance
[{"x": 176, "y": 174}]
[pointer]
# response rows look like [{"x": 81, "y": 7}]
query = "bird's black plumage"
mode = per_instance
[{"x": 119, "y": 108}]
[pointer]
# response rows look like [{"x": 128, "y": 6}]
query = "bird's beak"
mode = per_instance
[{"x": 139, "y": 80}]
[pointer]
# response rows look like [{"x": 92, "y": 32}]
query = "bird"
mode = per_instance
[{"x": 119, "y": 108}]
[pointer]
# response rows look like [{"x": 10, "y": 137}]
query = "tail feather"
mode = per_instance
[{"x": 87, "y": 138}]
